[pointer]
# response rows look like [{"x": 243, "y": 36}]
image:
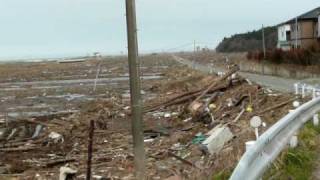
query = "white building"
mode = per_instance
[{"x": 300, "y": 32}]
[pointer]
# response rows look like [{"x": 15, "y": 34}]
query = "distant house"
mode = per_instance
[{"x": 300, "y": 32}]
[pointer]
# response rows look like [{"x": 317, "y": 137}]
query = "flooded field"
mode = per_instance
[{"x": 48, "y": 88}]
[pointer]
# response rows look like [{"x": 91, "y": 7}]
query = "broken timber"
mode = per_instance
[
  {"x": 277, "y": 106},
  {"x": 196, "y": 105},
  {"x": 185, "y": 97}
]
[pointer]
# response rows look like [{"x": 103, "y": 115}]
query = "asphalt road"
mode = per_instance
[{"x": 272, "y": 82}]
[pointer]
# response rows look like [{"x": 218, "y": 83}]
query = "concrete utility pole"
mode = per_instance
[
  {"x": 296, "y": 43},
  {"x": 194, "y": 50},
  {"x": 136, "y": 102},
  {"x": 263, "y": 43},
  {"x": 264, "y": 49}
]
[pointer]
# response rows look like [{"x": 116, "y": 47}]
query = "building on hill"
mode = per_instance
[{"x": 300, "y": 32}]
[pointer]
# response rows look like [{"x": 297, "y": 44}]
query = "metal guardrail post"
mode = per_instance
[{"x": 270, "y": 144}]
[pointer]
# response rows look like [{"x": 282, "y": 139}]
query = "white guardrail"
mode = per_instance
[
  {"x": 305, "y": 89},
  {"x": 259, "y": 157}
]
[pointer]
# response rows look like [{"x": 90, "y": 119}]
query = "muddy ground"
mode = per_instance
[{"x": 46, "y": 109}]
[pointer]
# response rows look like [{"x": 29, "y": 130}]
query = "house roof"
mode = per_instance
[{"x": 311, "y": 15}]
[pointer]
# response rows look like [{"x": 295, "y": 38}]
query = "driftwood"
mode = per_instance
[
  {"x": 181, "y": 159},
  {"x": 12, "y": 144},
  {"x": 276, "y": 106},
  {"x": 18, "y": 149},
  {"x": 33, "y": 121},
  {"x": 239, "y": 116},
  {"x": 213, "y": 84},
  {"x": 184, "y": 98},
  {"x": 60, "y": 161}
]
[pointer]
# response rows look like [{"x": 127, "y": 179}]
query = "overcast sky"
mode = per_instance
[{"x": 49, "y": 28}]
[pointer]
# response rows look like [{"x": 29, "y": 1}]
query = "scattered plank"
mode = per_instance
[
  {"x": 213, "y": 84},
  {"x": 184, "y": 98},
  {"x": 276, "y": 106},
  {"x": 239, "y": 116},
  {"x": 181, "y": 159},
  {"x": 59, "y": 161},
  {"x": 19, "y": 149}
]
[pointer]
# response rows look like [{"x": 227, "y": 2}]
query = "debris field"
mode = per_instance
[{"x": 195, "y": 124}]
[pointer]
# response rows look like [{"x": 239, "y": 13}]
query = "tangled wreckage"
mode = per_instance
[{"x": 195, "y": 126}]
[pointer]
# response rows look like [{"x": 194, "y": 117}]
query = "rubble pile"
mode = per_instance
[{"x": 196, "y": 127}]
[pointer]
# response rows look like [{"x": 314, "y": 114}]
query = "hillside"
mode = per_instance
[{"x": 249, "y": 41}]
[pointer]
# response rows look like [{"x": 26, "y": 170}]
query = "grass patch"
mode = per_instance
[
  {"x": 223, "y": 175},
  {"x": 298, "y": 163}
]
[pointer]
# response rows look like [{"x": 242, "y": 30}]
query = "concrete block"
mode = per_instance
[{"x": 218, "y": 137}]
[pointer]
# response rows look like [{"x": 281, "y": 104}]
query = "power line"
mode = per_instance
[{"x": 183, "y": 46}]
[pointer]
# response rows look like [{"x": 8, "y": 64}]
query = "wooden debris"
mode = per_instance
[
  {"x": 239, "y": 116},
  {"x": 18, "y": 149},
  {"x": 185, "y": 98},
  {"x": 58, "y": 162},
  {"x": 181, "y": 159},
  {"x": 213, "y": 84},
  {"x": 90, "y": 144},
  {"x": 276, "y": 106}
]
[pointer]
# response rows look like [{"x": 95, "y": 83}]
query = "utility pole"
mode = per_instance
[
  {"x": 135, "y": 93},
  {"x": 194, "y": 50},
  {"x": 296, "y": 43},
  {"x": 263, "y": 43},
  {"x": 264, "y": 49}
]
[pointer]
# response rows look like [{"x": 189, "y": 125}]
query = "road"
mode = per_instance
[{"x": 272, "y": 82}]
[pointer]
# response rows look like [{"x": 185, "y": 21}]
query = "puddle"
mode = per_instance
[
  {"x": 145, "y": 95},
  {"x": 75, "y": 76},
  {"x": 144, "y": 75},
  {"x": 154, "y": 67},
  {"x": 70, "y": 82},
  {"x": 38, "y": 114},
  {"x": 13, "y": 89},
  {"x": 39, "y": 106},
  {"x": 47, "y": 87},
  {"x": 7, "y": 98},
  {"x": 68, "y": 97}
]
